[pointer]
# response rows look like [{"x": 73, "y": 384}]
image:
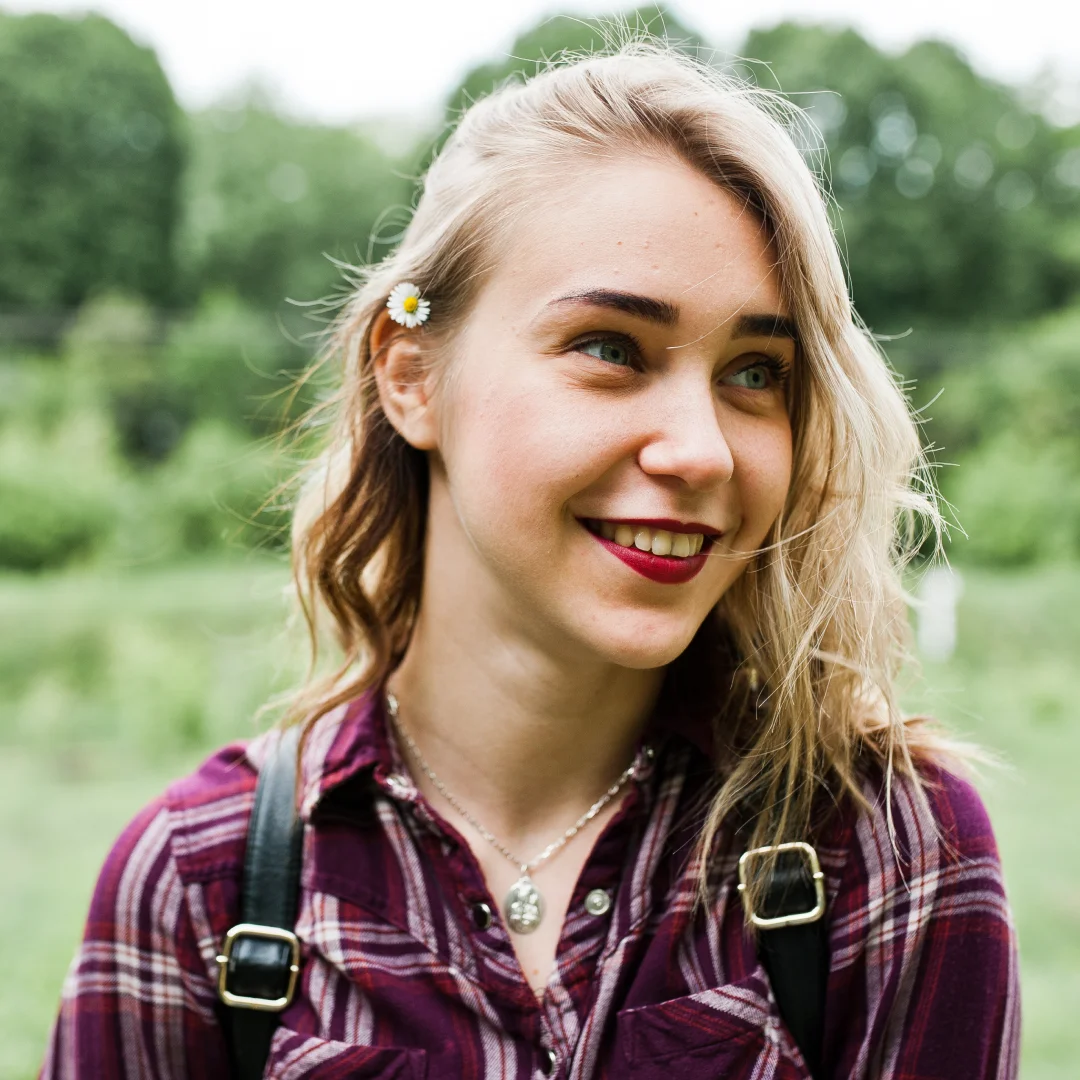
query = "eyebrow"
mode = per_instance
[
  {"x": 665, "y": 313},
  {"x": 652, "y": 310},
  {"x": 770, "y": 326}
]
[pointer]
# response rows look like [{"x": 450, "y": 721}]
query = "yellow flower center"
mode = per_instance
[{"x": 409, "y": 304}]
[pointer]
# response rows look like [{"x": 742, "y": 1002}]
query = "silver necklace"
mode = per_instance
[{"x": 524, "y": 906}]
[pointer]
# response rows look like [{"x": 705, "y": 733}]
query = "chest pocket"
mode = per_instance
[
  {"x": 729, "y": 1033},
  {"x": 304, "y": 1057}
]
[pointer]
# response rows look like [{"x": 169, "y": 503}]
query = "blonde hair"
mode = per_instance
[{"x": 816, "y": 628}]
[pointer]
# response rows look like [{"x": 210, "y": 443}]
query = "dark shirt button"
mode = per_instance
[
  {"x": 481, "y": 916},
  {"x": 548, "y": 1061}
]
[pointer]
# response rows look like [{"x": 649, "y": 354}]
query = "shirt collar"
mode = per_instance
[{"x": 341, "y": 745}]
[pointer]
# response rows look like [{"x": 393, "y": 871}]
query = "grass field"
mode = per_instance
[{"x": 110, "y": 686}]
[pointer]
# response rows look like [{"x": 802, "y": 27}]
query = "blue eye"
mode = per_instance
[
  {"x": 765, "y": 374},
  {"x": 611, "y": 352},
  {"x": 753, "y": 378}
]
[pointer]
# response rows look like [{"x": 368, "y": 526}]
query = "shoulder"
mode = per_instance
[
  {"x": 190, "y": 836},
  {"x": 931, "y": 823},
  {"x": 924, "y": 976},
  {"x": 208, "y": 812},
  {"x": 141, "y": 989},
  {"x": 914, "y": 869},
  {"x": 915, "y": 839}
]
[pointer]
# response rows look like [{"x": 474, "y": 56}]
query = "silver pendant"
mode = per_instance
[{"x": 524, "y": 906}]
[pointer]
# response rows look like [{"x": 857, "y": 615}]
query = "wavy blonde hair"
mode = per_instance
[{"x": 815, "y": 630}]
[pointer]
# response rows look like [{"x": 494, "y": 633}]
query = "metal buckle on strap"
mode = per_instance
[
  {"x": 818, "y": 878},
  {"x": 267, "y": 933}
]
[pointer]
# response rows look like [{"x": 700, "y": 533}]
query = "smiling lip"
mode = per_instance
[
  {"x": 665, "y": 570},
  {"x": 668, "y": 523}
]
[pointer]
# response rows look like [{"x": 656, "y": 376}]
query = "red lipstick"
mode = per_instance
[{"x": 664, "y": 569}]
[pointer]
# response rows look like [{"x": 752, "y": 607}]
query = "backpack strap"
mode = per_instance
[
  {"x": 793, "y": 941},
  {"x": 260, "y": 958}
]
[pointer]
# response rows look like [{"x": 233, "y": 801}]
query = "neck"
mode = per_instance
[{"x": 525, "y": 740}]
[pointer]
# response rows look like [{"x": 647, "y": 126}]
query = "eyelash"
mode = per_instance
[{"x": 778, "y": 369}]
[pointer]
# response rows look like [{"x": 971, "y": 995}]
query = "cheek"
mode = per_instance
[
  {"x": 512, "y": 455},
  {"x": 764, "y": 467}
]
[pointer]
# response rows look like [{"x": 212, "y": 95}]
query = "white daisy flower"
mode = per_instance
[{"x": 406, "y": 305}]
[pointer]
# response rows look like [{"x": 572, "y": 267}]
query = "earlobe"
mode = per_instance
[{"x": 404, "y": 383}]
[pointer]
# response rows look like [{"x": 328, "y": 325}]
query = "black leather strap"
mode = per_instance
[
  {"x": 258, "y": 967},
  {"x": 796, "y": 958}
]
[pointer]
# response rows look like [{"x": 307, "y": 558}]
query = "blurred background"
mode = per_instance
[{"x": 178, "y": 187}]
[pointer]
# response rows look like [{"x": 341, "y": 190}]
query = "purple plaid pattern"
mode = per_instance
[{"x": 399, "y": 980}]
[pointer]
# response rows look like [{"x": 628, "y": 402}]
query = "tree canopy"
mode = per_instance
[
  {"x": 91, "y": 156},
  {"x": 950, "y": 206},
  {"x": 271, "y": 202}
]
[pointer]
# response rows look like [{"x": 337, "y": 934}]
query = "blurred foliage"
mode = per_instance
[
  {"x": 1018, "y": 501},
  {"x": 270, "y": 202},
  {"x": 61, "y": 480},
  {"x": 159, "y": 254},
  {"x": 91, "y": 155},
  {"x": 957, "y": 201},
  {"x": 146, "y": 663},
  {"x": 76, "y": 485},
  {"x": 1012, "y": 420}
]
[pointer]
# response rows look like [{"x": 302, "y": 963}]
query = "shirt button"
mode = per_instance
[
  {"x": 481, "y": 916},
  {"x": 598, "y": 902},
  {"x": 548, "y": 1061}
]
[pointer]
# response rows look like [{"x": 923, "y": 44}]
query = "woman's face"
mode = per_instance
[{"x": 619, "y": 386}]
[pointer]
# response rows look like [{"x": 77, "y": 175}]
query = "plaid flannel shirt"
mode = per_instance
[{"x": 403, "y": 974}]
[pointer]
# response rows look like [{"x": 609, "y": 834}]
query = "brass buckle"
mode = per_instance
[
  {"x": 268, "y": 933},
  {"x": 800, "y": 917}
]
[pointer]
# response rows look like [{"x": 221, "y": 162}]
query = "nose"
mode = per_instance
[{"x": 686, "y": 440}]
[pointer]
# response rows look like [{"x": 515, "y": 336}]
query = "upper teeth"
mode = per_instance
[{"x": 658, "y": 541}]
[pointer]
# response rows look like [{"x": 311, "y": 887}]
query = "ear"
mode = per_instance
[{"x": 404, "y": 382}]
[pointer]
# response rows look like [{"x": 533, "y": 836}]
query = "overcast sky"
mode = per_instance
[{"x": 338, "y": 60}]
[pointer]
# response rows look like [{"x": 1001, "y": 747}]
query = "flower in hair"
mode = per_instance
[{"x": 406, "y": 306}]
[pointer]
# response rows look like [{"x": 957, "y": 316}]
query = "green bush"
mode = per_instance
[
  {"x": 1019, "y": 503},
  {"x": 111, "y": 356},
  {"x": 61, "y": 494},
  {"x": 47, "y": 521},
  {"x": 212, "y": 493},
  {"x": 269, "y": 203},
  {"x": 230, "y": 362},
  {"x": 68, "y": 493}
]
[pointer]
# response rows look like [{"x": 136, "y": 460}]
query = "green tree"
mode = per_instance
[
  {"x": 949, "y": 207},
  {"x": 91, "y": 155},
  {"x": 270, "y": 202}
]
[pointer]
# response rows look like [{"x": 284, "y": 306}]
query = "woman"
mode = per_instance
[{"x": 607, "y": 531}]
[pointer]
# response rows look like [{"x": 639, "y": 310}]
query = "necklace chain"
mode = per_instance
[{"x": 554, "y": 846}]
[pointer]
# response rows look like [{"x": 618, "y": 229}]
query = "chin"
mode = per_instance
[{"x": 640, "y": 644}]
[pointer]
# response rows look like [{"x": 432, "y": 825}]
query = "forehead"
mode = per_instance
[{"x": 648, "y": 225}]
